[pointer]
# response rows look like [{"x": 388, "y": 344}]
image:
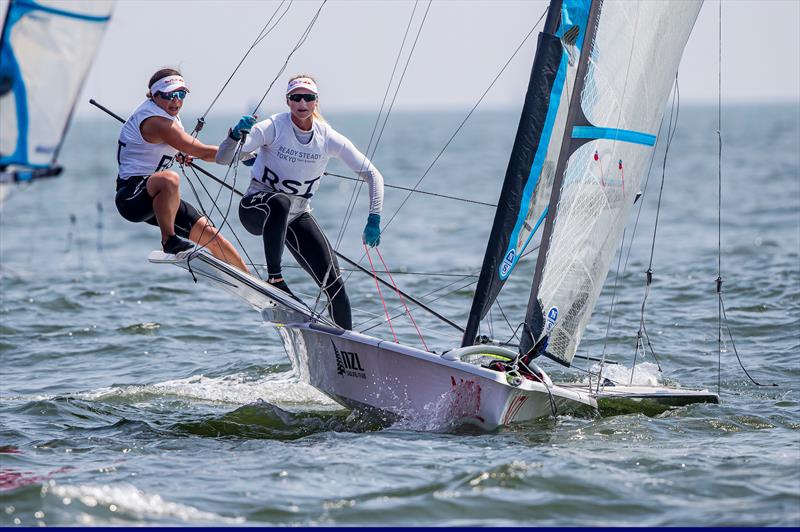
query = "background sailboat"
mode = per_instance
[{"x": 46, "y": 50}]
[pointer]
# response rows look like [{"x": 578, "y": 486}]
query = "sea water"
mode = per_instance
[{"x": 131, "y": 395}]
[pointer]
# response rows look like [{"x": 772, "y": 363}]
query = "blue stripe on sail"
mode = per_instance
[
  {"x": 573, "y": 12},
  {"x": 535, "y": 228},
  {"x": 30, "y": 5},
  {"x": 536, "y": 169},
  {"x": 622, "y": 135},
  {"x": 9, "y": 68}
]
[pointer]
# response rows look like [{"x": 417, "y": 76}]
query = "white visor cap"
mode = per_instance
[
  {"x": 168, "y": 84},
  {"x": 302, "y": 83}
]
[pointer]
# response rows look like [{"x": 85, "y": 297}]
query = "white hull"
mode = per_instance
[
  {"x": 369, "y": 374},
  {"x": 365, "y": 373}
]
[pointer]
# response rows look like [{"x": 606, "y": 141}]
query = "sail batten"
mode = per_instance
[{"x": 610, "y": 133}]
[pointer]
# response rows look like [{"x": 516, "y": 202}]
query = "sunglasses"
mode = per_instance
[
  {"x": 305, "y": 97},
  {"x": 172, "y": 95}
]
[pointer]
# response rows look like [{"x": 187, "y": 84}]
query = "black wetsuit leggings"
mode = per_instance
[{"x": 267, "y": 214}]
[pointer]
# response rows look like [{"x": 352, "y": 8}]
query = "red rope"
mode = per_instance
[
  {"x": 385, "y": 310},
  {"x": 385, "y": 267}
]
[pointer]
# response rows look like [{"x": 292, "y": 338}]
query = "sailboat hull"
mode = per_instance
[
  {"x": 425, "y": 389},
  {"x": 379, "y": 377}
]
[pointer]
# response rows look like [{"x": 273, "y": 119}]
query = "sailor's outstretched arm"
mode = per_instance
[{"x": 258, "y": 135}]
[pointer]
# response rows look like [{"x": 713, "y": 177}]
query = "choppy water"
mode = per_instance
[{"x": 130, "y": 395}]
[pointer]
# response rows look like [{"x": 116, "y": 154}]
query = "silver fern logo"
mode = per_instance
[{"x": 339, "y": 363}]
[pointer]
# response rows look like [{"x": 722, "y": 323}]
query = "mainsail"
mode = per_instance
[
  {"x": 623, "y": 83},
  {"x": 46, "y": 50},
  {"x": 531, "y": 168}
]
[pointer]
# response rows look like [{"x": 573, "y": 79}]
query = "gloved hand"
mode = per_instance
[
  {"x": 372, "y": 232},
  {"x": 242, "y": 126}
]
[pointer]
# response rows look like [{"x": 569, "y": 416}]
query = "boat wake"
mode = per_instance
[{"x": 239, "y": 388}]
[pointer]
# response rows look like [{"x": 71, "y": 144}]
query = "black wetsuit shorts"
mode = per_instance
[{"x": 136, "y": 205}]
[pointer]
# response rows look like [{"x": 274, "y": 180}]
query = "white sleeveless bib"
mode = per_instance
[
  {"x": 135, "y": 155},
  {"x": 288, "y": 166}
]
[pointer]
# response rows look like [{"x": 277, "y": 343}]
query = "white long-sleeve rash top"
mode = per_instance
[{"x": 292, "y": 161}]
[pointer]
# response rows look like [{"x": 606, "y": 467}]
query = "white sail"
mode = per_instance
[
  {"x": 632, "y": 66},
  {"x": 47, "y": 49}
]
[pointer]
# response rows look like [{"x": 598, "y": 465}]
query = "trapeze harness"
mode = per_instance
[
  {"x": 286, "y": 173},
  {"x": 138, "y": 160}
]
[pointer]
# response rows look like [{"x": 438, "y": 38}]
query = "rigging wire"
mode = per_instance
[
  {"x": 357, "y": 189},
  {"x": 234, "y": 163},
  {"x": 672, "y": 127},
  {"x": 461, "y": 125},
  {"x": 719, "y": 213},
  {"x": 261, "y": 36},
  {"x": 297, "y": 46},
  {"x": 445, "y": 196},
  {"x": 464, "y": 121},
  {"x": 722, "y": 316}
]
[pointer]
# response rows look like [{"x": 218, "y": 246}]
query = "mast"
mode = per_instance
[
  {"x": 533, "y": 326},
  {"x": 532, "y": 123}
]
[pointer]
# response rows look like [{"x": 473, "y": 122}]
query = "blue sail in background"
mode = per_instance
[{"x": 46, "y": 50}]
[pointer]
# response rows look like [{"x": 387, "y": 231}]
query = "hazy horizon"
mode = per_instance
[{"x": 353, "y": 46}]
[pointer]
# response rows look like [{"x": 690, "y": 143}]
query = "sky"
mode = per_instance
[{"x": 352, "y": 48}]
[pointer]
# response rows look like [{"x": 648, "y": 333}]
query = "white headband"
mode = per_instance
[
  {"x": 168, "y": 84},
  {"x": 302, "y": 83}
]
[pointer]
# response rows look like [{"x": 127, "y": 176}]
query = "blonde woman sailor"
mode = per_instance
[
  {"x": 292, "y": 151},
  {"x": 147, "y": 191}
]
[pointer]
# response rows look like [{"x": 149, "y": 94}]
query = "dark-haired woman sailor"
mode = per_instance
[{"x": 147, "y": 191}]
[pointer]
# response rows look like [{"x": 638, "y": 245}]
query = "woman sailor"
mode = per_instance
[
  {"x": 146, "y": 190},
  {"x": 293, "y": 150}
]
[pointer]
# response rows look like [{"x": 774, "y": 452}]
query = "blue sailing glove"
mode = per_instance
[
  {"x": 372, "y": 232},
  {"x": 242, "y": 126}
]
